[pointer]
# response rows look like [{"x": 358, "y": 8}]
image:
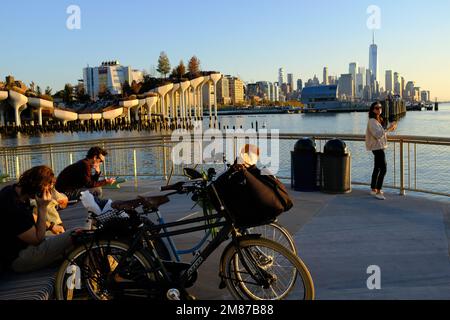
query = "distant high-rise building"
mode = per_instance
[
  {"x": 360, "y": 82},
  {"x": 397, "y": 84},
  {"x": 416, "y": 94},
  {"x": 109, "y": 76},
  {"x": 280, "y": 77},
  {"x": 425, "y": 96},
  {"x": 346, "y": 86},
  {"x": 325, "y": 76},
  {"x": 353, "y": 70},
  {"x": 368, "y": 77},
  {"x": 373, "y": 59},
  {"x": 290, "y": 82},
  {"x": 276, "y": 92},
  {"x": 263, "y": 88},
  {"x": 409, "y": 90},
  {"x": 332, "y": 80},
  {"x": 389, "y": 84},
  {"x": 402, "y": 87},
  {"x": 316, "y": 81},
  {"x": 236, "y": 90},
  {"x": 223, "y": 91},
  {"x": 299, "y": 85}
]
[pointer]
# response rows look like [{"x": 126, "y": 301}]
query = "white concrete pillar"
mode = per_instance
[
  {"x": 151, "y": 103},
  {"x": 3, "y": 96},
  {"x": 19, "y": 103},
  {"x": 215, "y": 77}
]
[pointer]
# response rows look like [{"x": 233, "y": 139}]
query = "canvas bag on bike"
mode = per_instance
[{"x": 251, "y": 198}]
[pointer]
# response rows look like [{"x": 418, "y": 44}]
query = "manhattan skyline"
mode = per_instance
[{"x": 250, "y": 40}]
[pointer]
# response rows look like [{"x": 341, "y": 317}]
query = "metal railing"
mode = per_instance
[{"x": 420, "y": 164}]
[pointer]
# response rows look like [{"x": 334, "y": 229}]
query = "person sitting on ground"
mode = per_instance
[
  {"x": 84, "y": 175},
  {"x": 23, "y": 243}
]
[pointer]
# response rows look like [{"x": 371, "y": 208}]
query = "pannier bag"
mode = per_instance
[{"x": 250, "y": 198}]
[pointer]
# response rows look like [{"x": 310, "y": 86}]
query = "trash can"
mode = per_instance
[
  {"x": 304, "y": 166},
  {"x": 336, "y": 167}
]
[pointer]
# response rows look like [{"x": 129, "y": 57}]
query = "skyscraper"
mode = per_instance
[
  {"x": 299, "y": 85},
  {"x": 325, "y": 76},
  {"x": 346, "y": 86},
  {"x": 353, "y": 70},
  {"x": 389, "y": 84},
  {"x": 397, "y": 84},
  {"x": 360, "y": 82},
  {"x": 280, "y": 77},
  {"x": 290, "y": 81},
  {"x": 373, "y": 59}
]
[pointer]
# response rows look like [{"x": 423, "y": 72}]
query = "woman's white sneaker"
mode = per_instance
[{"x": 380, "y": 196}]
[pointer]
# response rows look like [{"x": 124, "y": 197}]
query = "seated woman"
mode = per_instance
[
  {"x": 54, "y": 222},
  {"x": 23, "y": 241}
]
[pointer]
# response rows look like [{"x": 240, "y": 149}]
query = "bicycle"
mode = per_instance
[{"x": 105, "y": 267}]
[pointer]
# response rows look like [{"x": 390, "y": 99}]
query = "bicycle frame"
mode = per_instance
[{"x": 174, "y": 250}]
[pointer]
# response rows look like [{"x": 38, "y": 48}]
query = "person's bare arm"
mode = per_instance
[{"x": 36, "y": 234}]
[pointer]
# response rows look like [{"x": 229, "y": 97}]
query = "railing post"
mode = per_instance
[
  {"x": 402, "y": 170},
  {"x": 135, "y": 163},
  {"x": 51, "y": 159},
  {"x": 6, "y": 163},
  {"x": 17, "y": 167},
  {"x": 164, "y": 159}
]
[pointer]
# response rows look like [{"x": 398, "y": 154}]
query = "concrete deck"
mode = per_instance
[{"x": 338, "y": 237}]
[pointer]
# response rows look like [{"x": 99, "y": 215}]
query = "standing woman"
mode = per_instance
[{"x": 376, "y": 141}]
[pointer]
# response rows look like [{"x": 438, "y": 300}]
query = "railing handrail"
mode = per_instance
[{"x": 284, "y": 136}]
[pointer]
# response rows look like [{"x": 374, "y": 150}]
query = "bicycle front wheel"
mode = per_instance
[{"x": 261, "y": 269}]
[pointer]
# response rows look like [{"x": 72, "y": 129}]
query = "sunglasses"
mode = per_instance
[{"x": 378, "y": 107}]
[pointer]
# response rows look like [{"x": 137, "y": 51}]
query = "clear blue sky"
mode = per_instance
[{"x": 249, "y": 38}]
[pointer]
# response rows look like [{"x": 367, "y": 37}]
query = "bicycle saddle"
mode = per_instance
[
  {"x": 154, "y": 202},
  {"x": 149, "y": 202}
]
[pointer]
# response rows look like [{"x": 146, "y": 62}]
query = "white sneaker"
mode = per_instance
[
  {"x": 380, "y": 196},
  {"x": 373, "y": 193}
]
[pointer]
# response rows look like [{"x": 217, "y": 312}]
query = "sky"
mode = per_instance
[{"x": 246, "y": 38}]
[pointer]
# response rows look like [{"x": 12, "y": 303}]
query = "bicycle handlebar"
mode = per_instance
[{"x": 173, "y": 187}]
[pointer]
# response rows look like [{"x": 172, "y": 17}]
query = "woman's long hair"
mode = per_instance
[{"x": 373, "y": 115}]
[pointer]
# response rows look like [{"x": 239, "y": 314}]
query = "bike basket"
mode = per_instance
[{"x": 248, "y": 200}]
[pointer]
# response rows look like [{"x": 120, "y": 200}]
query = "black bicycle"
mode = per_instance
[{"x": 125, "y": 258}]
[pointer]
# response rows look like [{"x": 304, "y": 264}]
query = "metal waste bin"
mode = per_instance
[
  {"x": 304, "y": 166},
  {"x": 336, "y": 167}
]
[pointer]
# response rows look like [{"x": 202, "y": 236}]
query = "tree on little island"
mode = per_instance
[
  {"x": 194, "y": 66},
  {"x": 163, "y": 64}
]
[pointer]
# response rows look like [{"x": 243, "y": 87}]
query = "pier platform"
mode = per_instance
[{"x": 338, "y": 237}]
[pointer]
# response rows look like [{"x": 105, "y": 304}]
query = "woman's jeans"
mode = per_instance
[{"x": 379, "y": 171}]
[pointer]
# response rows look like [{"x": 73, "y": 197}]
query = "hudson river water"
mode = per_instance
[
  {"x": 431, "y": 171},
  {"x": 421, "y": 123}
]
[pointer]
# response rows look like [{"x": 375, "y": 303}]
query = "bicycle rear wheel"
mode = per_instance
[
  {"x": 261, "y": 269},
  {"x": 88, "y": 273},
  {"x": 275, "y": 232}
]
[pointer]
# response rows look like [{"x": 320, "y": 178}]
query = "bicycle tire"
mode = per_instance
[
  {"x": 239, "y": 287},
  {"x": 64, "y": 291},
  {"x": 275, "y": 232}
]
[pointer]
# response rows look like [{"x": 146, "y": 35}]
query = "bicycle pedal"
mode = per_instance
[{"x": 173, "y": 294}]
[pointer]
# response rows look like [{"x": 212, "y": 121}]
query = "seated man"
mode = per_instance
[
  {"x": 83, "y": 175},
  {"x": 23, "y": 243}
]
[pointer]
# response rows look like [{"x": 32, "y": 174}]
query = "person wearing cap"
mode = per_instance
[{"x": 84, "y": 175}]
